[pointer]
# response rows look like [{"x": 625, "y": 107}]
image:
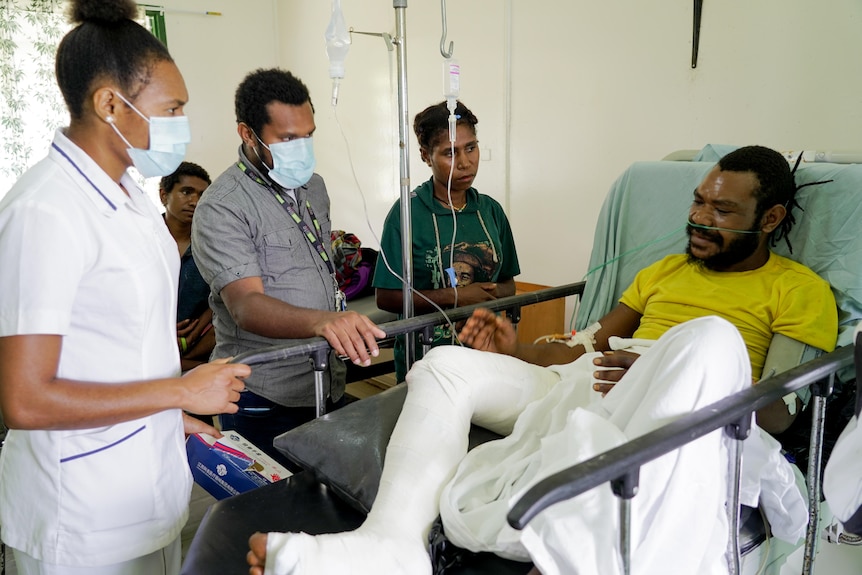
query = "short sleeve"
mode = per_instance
[
  {"x": 390, "y": 246},
  {"x": 635, "y": 296},
  {"x": 222, "y": 243},
  {"x": 511, "y": 267},
  {"x": 43, "y": 260},
  {"x": 808, "y": 313}
]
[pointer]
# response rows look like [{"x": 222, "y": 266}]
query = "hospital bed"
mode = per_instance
[
  {"x": 342, "y": 455},
  {"x": 648, "y": 200},
  {"x": 825, "y": 238}
]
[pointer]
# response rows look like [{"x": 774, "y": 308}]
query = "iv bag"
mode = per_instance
[{"x": 337, "y": 41}]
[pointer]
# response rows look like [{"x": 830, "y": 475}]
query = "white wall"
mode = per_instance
[
  {"x": 591, "y": 87},
  {"x": 214, "y": 53},
  {"x": 602, "y": 84},
  {"x": 594, "y": 86},
  {"x": 368, "y": 108}
]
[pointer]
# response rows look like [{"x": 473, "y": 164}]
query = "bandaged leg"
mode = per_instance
[
  {"x": 678, "y": 516},
  {"x": 446, "y": 390},
  {"x": 693, "y": 365}
]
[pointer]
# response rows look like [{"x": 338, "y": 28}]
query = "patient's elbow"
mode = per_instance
[{"x": 775, "y": 418}]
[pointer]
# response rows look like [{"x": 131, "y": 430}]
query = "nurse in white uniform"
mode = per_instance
[{"x": 93, "y": 475}]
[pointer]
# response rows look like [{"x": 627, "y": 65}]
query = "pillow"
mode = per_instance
[{"x": 345, "y": 449}]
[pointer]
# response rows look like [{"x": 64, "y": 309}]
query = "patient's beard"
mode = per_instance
[{"x": 732, "y": 252}]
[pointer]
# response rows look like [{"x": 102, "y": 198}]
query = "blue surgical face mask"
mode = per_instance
[
  {"x": 169, "y": 136},
  {"x": 292, "y": 162}
]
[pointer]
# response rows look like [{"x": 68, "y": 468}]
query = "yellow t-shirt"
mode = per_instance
[{"x": 781, "y": 296}]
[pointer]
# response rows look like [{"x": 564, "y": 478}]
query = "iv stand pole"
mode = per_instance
[{"x": 400, "y": 42}]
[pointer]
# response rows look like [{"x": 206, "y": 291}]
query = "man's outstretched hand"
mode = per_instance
[{"x": 351, "y": 335}]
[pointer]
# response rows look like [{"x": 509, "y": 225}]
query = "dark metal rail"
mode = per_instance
[{"x": 318, "y": 345}]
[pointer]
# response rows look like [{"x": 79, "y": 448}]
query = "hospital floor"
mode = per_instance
[{"x": 838, "y": 560}]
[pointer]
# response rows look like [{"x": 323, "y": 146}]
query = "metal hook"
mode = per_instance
[
  {"x": 386, "y": 37},
  {"x": 443, "y": 51}
]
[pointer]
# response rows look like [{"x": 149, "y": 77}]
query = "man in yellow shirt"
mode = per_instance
[
  {"x": 740, "y": 208},
  {"x": 552, "y": 418}
]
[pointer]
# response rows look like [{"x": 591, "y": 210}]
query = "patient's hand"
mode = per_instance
[
  {"x": 621, "y": 360},
  {"x": 486, "y": 331},
  {"x": 256, "y": 557}
]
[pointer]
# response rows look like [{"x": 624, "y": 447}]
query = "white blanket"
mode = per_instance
[
  {"x": 679, "y": 523},
  {"x": 553, "y": 420}
]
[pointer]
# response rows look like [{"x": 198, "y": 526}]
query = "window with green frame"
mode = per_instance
[{"x": 155, "y": 22}]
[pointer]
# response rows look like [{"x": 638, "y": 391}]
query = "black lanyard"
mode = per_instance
[{"x": 313, "y": 239}]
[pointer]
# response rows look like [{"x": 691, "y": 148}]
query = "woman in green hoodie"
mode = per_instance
[{"x": 478, "y": 262}]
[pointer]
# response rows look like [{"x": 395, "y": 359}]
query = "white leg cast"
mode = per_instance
[
  {"x": 678, "y": 517},
  {"x": 447, "y": 389}
]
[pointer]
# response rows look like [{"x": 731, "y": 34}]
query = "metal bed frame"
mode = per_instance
[
  {"x": 317, "y": 349},
  {"x": 621, "y": 465}
]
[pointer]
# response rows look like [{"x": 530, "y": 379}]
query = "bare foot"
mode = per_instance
[{"x": 256, "y": 557}]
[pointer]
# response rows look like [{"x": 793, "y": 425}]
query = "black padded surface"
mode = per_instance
[
  {"x": 345, "y": 449},
  {"x": 298, "y": 503}
]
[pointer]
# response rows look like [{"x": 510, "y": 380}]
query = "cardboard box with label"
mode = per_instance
[{"x": 230, "y": 465}]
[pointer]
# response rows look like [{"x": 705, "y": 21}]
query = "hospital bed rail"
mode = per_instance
[
  {"x": 620, "y": 466},
  {"x": 317, "y": 348}
]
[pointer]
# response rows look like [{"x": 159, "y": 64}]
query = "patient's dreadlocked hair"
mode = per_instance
[{"x": 776, "y": 184}]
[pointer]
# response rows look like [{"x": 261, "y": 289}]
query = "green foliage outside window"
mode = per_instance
[{"x": 31, "y": 106}]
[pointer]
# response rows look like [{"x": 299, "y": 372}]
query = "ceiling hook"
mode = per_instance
[{"x": 443, "y": 51}]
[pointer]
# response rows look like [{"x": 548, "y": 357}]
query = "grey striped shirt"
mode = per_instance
[{"x": 239, "y": 231}]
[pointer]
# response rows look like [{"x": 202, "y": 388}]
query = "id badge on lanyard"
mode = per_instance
[
  {"x": 314, "y": 239},
  {"x": 340, "y": 298}
]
